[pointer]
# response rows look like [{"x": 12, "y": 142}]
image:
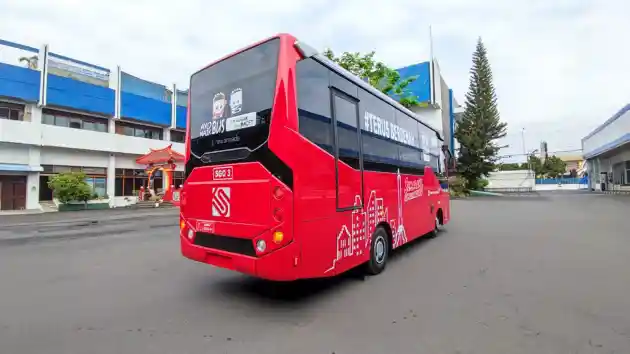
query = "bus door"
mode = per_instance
[{"x": 348, "y": 150}]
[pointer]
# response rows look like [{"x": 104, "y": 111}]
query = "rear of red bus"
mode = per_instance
[
  {"x": 236, "y": 203},
  {"x": 262, "y": 197}
]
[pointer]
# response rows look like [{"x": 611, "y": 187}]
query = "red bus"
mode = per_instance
[{"x": 295, "y": 168}]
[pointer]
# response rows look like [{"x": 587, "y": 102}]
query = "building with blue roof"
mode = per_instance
[
  {"x": 60, "y": 114},
  {"x": 607, "y": 153},
  {"x": 438, "y": 106}
]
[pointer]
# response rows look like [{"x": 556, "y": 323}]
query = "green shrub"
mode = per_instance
[
  {"x": 479, "y": 184},
  {"x": 457, "y": 186},
  {"x": 71, "y": 186}
]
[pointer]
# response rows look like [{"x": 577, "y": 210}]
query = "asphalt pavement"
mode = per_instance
[
  {"x": 546, "y": 274},
  {"x": 28, "y": 228}
]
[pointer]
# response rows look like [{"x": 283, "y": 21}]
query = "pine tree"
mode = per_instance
[{"x": 480, "y": 126}]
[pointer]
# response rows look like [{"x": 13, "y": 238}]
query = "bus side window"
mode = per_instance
[
  {"x": 315, "y": 120},
  {"x": 347, "y": 132}
]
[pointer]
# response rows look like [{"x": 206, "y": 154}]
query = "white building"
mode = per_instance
[
  {"x": 607, "y": 153},
  {"x": 31, "y": 149},
  {"x": 59, "y": 114}
]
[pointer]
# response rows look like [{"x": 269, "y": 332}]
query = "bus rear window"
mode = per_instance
[{"x": 230, "y": 101}]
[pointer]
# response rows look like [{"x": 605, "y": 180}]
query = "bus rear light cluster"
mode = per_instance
[
  {"x": 277, "y": 214},
  {"x": 185, "y": 230},
  {"x": 278, "y": 237},
  {"x": 261, "y": 246},
  {"x": 278, "y": 193},
  {"x": 270, "y": 242}
]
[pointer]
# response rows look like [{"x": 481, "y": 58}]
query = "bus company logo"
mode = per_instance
[
  {"x": 221, "y": 206},
  {"x": 218, "y": 105},
  {"x": 413, "y": 189}
]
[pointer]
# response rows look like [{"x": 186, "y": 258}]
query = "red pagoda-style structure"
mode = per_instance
[{"x": 164, "y": 160}]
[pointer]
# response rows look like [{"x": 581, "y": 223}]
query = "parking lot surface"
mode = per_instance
[{"x": 546, "y": 274}]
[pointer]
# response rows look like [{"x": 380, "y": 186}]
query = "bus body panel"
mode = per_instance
[
  {"x": 404, "y": 208},
  {"x": 280, "y": 265},
  {"x": 253, "y": 205},
  {"x": 236, "y": 194}
]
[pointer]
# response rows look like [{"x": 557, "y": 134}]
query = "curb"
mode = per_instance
[
  {"x": 91, "y": 221},
  {"x": 616, "y": 192},
  {"x": 67, "y": 232}
]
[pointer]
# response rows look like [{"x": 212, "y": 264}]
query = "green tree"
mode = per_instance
[
  {"x": 554, "y": 166},
  {"x": 71, "y": 186},
  {"x": 377, "y": 74},
  {"x": 480, "y": 126},
  {"x": 31, "y": 62},
  {"x": 510, "y": 167},
  {"x": 536, "y": 165}
]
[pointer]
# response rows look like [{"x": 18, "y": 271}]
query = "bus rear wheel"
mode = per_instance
[
  {"x": 439, "y": 224},
  {"x": 379, "y": 252}
]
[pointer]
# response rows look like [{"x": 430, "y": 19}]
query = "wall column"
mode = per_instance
[
  {"x": 111, "y": 179},
  {"x": 167, "y": 134},
  {"x": 32, "y": 191},
  {"x": 36, "y": 114},
  {"x": 32, "y": 178},
  {"x": 111, "y": 126}
]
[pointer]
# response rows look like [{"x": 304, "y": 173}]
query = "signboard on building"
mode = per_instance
[{"x": 66, "y": 67}]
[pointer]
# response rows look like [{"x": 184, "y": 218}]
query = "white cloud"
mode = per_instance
[{"x": 560, "y": 67}]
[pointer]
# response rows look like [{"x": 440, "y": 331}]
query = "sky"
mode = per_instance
[{"x": 560, "y": 67}]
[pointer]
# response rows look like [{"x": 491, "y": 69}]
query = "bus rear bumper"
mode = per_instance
[{"x": 279, "y": 265}]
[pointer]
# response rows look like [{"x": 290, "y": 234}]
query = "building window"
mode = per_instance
[
  {"x": 96, "y": 178},
  {"x": 129, "y": 181},
  {"x": 76, "y": 121},
  {"x": 98, "y": 185},
  {"x": 177, "y": 136},
  {"x": 11, "y": 111},
  {"x": 178, "y": 178},
  {"x": 139, "y": 131}
]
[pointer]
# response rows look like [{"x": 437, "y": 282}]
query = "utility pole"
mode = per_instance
[
  {"x": 529, "y": 165},
  {"x": 523, "y": 140},
  {"x": 431, "y": 67}
]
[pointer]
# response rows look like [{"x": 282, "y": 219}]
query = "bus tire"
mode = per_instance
[
  {"x": 438, "y": 226},
  {"x": 379, "y": 252}
]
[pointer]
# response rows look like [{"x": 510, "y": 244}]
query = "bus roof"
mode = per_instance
[{"x": 309, "y": 52}]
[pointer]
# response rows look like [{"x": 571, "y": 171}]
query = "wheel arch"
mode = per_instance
[{"x": 388, "y": 229}]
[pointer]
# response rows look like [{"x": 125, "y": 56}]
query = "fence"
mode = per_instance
[
  {"x": 549, "y": 184},
  {"x": 521, "y": 181},
  {"x": 576, "y": 180}
]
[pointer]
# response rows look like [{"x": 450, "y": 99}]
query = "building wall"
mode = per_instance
[
  {"x": 72, "y": 157},
  {"x": 511, "y": 180},
  {"x": 437, "y": 103},
  {"x": 32, "y": 144},
  {"x": 606, "y": 146},
  {"x": 611, "y": 134},
  {"x": 14, "y": 153},
  {"x": 606, "y": 163},
  {"x": 431, "y": 116},
  {"x": 88, "y": 88}
]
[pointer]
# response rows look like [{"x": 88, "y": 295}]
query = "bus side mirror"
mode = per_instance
[
  {"x": 450, "y": 160},
  {"x": 452, "y": 168}
]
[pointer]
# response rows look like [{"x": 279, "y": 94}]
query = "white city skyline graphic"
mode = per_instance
[{"x": 355, "y": 240}]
